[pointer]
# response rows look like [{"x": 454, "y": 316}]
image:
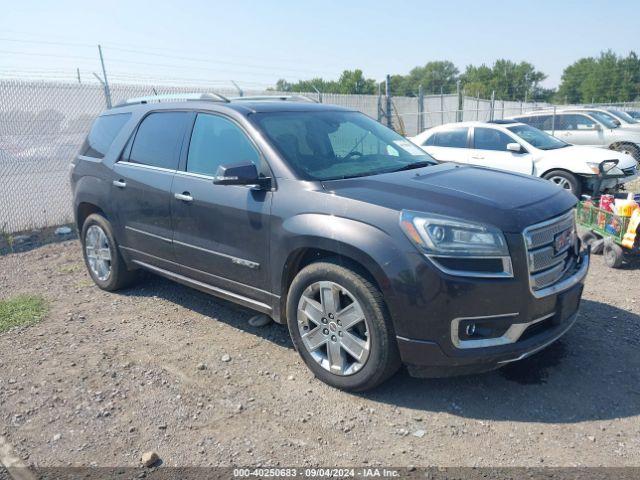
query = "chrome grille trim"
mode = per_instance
[{"x": 546, "y": 267}]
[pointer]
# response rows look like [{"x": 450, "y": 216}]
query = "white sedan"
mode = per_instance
[{"x": 517, "y": 147}]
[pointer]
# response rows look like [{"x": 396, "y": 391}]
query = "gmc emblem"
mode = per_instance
[{"x": 563, "y": 240}]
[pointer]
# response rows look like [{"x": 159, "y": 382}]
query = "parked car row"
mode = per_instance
[
  {"x": 518, "y": 147},
  {"x": 594, "y": 127}
]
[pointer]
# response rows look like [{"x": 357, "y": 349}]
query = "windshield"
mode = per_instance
[
  {"x": 537, "y": 138},
  {"x": 608, "y": 120},
  {"x": 331, "y": 145},
  {"x": 623, "y": 116}
]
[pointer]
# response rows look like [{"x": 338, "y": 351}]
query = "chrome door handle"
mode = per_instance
[
  {"x": 476, "y": 157},
  {"x": 185, "y": 197},
  {"x": 120, "y": 183}
]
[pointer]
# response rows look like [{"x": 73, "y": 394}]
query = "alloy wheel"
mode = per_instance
[
  {"x": 561, "y": 182},
  {"x": 98, "y": 252},
  {"x": 334, "y": 328}
]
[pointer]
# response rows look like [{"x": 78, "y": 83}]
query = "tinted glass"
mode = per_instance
[
  {"x": 217, "y": 141},
  {"x": 455, "y": 138},
  {"x": 329, "y": 145},
  {"x": 624, "y": 116},
  {"x": 491, "y": 139},
  {"x": 431, "y": 140},
  {"x": 102, "y": 134},
  {"x": 542, "y": 122},
  {"x": 158, "y": 140},
  {"x": 608, "y": 120},
  {"x": 574, "y": 122},
  {"x": 537, "y": 138}
]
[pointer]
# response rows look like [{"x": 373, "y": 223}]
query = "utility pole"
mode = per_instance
[
  {"x": 107, "y": 90},
  {"x": 387, "y": 91}
]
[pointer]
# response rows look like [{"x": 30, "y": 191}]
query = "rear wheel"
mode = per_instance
[
  {"x": 101, "y": 255},
  {"x": 629, "y": 149},
  {"x": 613, "y": 254},
  {"x": 340, "y": 327},
  {"x": 565, "y": 180}
]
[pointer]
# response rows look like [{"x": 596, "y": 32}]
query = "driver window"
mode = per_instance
[
  {"x": 490, "y": 139},
  {"x": 217, "y": 141},
  {"x": 574, "y": 122}
]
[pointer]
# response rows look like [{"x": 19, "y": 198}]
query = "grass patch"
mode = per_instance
[{"x": 21, "y": 310}]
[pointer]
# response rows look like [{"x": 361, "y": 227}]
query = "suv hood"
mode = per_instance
[{"x": 508, "y": 201}]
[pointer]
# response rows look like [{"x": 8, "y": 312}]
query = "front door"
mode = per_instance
[
  {"x": 490, "y": 150},
  {"x": 142, "y": 187},
  {"x": 449, "y": 145},
  {"x": 578, "y": 129},
  {"x": 221, "y": 232}
]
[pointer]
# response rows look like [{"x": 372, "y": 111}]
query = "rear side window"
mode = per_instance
[
  {"x": 455, "y": 138},
  {"x": 217, "y": 141},
  {"x": 491, "y": 139},
  {"x": 574, "y": 122},
  {"x": 158, "y": 140},
  {"x": 103, "y": 131}
]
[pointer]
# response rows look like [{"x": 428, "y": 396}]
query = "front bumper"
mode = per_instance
[{"x": 533, "y": 322}]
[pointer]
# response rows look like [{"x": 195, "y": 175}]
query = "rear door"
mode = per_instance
[
  {"x": 578, "y": 129},
  {"x": 141, "y": 188},
  {"x": 490, "y": 150},
  {"x": 221, "y": 232},
  {"x": 450, "y": 145}
]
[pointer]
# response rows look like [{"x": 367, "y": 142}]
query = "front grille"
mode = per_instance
[{"x": 546, "y": 264}]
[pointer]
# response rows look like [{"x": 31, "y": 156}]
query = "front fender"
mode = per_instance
[{"x": 371, "y": 247}]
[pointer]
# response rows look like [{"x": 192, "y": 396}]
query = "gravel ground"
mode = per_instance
[{"x": 105, "y": 377}]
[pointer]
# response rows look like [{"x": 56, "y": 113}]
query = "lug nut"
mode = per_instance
[
  {"x": 339, "y": 323},
  {"x": 325, "y": 331},
  {"x": 331, "y": 316},
  {"x": 333, "y": 338},
  {"x": 340, "y": 333},
  {"x": 324, "y": 320}
]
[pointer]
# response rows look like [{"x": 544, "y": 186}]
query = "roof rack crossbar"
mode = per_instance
[
  {"x": 210, "y": 97},
  {"x": 274, "y": 98}
]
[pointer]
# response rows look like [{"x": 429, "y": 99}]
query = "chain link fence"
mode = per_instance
[{"x": 43, "y": 124}]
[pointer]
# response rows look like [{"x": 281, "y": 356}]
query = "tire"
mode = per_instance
[
  {"x": 613, "y": 254},
  {"x": 565, "y": 180},
  {"x": 97, "y": 239},
  {"x": 594, "y": 241},
  {"x": 629, "y": 149},
  {"x": 376, "y": 362}
]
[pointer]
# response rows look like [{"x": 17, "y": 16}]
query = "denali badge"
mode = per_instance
[{"x": 563, "y": 240}]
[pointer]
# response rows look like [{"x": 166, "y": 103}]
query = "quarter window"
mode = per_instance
[
  {"x": 217, "y": 141},
  {"x": 491, "y": 139},
  {"x": 455, "y": 138},
  {"x": 103, "y": 132},
  {"x": 158, "y": 140}
]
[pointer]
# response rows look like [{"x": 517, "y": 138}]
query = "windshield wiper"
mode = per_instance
[{"x": 411, "y": 166}]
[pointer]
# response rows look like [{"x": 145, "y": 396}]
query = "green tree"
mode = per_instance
[
  {"x": 435, "y": 77},
  {"x": 509, "y": 80},
  {"x": 351, "y": 81},
  {"x": 607, "y": 78}
]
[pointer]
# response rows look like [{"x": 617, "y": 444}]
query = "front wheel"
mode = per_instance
[
  {"x": 565, "y": 180},
  {"x": 340, "y": 327}
]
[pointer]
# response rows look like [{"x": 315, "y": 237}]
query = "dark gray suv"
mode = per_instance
[{"x": 322, "y": 218}]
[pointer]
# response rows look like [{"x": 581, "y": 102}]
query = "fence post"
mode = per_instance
[
  {"x": 459, "y": 109},
  {"x": 107, "y": 90},
  {"x": 442, "y": 107},
  {"x": 387, "y": 91},
  {"x": 477, "y": 105},
  {"x": 380, "y": 102},
  {"x": 553, "y": 122},
  {"x": 493, "y": 105},
  {"x": 502, "y": 109},
  {"x": 420, "y": 109}
]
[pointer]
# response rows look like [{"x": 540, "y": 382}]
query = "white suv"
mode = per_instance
[
  {"x": 517, "y": 147},
  {"x": 586, "y": 127}
]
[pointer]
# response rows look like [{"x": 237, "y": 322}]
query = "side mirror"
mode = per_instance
[
  {"x": 514, "y": 147},
  {"x": 597, "y": 127},
  {"x": 240, "y": 174},
  {"x": 617, "y": 122}
]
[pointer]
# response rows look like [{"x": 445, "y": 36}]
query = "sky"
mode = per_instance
[{"x": 254, "y": 43}]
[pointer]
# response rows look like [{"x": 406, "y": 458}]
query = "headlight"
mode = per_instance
[
  {"x": 595, "y": 168},
  {"x": 459, "y": 247}
]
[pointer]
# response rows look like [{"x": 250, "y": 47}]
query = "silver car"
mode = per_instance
[{"x": 586, "y": 127}]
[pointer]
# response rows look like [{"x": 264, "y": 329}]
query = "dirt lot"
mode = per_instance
[{"x": 105, "y": 377}]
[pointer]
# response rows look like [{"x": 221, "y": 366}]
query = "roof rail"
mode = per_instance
[
  {"x": 189, "y": 97},
  {"x": 274, "y": 98}
]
